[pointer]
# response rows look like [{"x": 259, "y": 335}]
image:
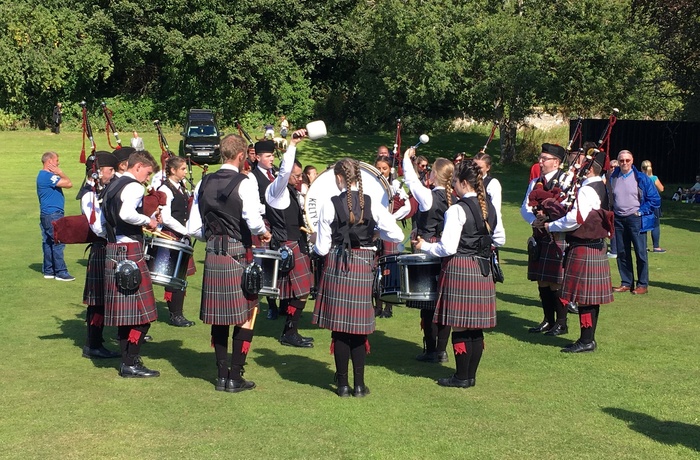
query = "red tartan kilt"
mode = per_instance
[
  {"x": 388, "y": 248},
  {"x": 344, "y": 302},
  {"x": 587, "y": 276},
  {"x": 223, "y": 301},
  {"x": 548, "y": 267},
  {"x": 191, "y": 268},
  {"x": 94, "y": 290},
  {"x": 128, "y": 308},
  {"x": 297, "y": 283},
  {"x": 467, "y": 298}
]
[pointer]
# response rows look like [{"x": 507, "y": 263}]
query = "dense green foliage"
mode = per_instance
[{"x": 357, "y": 64}]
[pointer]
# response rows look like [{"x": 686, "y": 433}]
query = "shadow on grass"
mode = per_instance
[
  {"x": 398, "y": 355},
  {"x": 517, "y": 328},
  {"x": 39, "y": 268},
  {"x": 670, "y": 433},
  {"x": 298, "y": 368},
  {"x": 677, "y": 287},
  {"x": 187, "y": 362}
]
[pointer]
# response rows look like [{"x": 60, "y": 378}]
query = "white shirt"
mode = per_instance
[
  {"x": 251, "y": 208},
  {"x": 403, "y": 211},
  {"x": 166, "y": 212},
  {"x": 87, "y": 203},
  {"x": 455, "y": 218},
  {"x": 587, "y": 200},
  {"x": 388, "y": 229},
  {"x": 132, "y": 197},
  {"x": 277, "y": 193},
  {"x": 137, "y": 143},
  {"x": 494, "y": 191},
  {"x": 526, "y": 209},
  {"x": 420, "y": 192}
]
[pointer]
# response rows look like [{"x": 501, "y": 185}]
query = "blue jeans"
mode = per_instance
[
  {"x": 53, "y": 253},
  {"x": 626, "y": 235},
  {"x": 656, "y": 231}
]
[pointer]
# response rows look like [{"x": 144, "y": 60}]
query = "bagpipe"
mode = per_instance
[
  {"x": 109, "y": 126},
  {"x": 488, "y": 141}
]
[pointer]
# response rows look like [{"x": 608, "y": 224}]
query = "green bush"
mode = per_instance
[{"x": 9, "y": 121}]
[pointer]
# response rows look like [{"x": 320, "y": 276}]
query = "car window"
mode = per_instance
[{"x": 202, "y": 131}]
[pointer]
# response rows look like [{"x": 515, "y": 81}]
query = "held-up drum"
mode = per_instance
[
  {"x": 388, "y": 278},
  {"x": 269, "y": 260},
  {"x": 167, "y": 261},
  {"x": 419, "y": 276},
  {"x": 323, "y": 188}
]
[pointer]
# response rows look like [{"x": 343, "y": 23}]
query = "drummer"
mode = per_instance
[
  {"x": 284, "y": 213},
  {"x": 175, "y": 214},
  {"x": 467, "y": 299},
  {"x": 344, "y": 304},
  {"x": 398, "y": 195},
  {"x": 432, "y": 205}
]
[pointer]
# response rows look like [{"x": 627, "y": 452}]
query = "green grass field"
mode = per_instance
[{"x": 636, "y": 397}]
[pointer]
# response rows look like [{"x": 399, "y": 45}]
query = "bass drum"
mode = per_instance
[{"x": 323, "y": 189}]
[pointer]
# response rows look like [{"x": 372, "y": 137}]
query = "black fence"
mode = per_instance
[{"x": 673, "y": 147}]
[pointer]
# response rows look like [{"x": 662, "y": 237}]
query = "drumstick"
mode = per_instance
[
  {"x": 306, "y": 230},
  {"x": 251, "y": 321},
  {"x": 160, "y": 234}
]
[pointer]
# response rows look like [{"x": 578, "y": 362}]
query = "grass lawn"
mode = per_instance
[{"x": 635, "y": 397}]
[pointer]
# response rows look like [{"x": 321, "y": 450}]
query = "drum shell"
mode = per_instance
[
  {"x": 269, "y": 261},
  {"x": 389, "y": 278},
  {"x": 419, "y": 274},
  {"x": 167, "y": 261}
]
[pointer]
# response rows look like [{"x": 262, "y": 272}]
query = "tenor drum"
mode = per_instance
[
  {"x": 389, "y": 278},
  {"x": 269, "y": 260},
  {"x": 323, "y": 189},
  {"x": 419, "y": 277},
  {"x": 167, "y": 261}
]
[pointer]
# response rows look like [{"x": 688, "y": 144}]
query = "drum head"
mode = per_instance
[{"x": 323, "y": 189}]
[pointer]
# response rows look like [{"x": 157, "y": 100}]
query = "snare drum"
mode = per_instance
[
  {"x": 419, "y": 277},
  {"x": 167, "y": 261},
  {"x": 389, "y": 279},
  {"x": 269, "y": 260}
]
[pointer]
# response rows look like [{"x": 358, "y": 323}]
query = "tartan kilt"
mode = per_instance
[
  {"x": 94, "y": 290},
  {"x": 548, "y": 267},
  {"x": 297, "y": 283},
  {"x": 191, "y": 269},
  {"x": 223, "y": 300},
  {"x": 467, "y": 298},
  {"x": 344, "y": 302},
  {"x": 128, "y": 308},
  {"x": 388, "y": 248},
  {"x": 587, "y": 276}
]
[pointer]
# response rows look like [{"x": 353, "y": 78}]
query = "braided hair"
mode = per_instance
[
  {"x": 444, "y": 171},
  {"x": 470, "y": 171},
  {"x": 173, "y": 163},
  {"x": 349, "y": 170}
]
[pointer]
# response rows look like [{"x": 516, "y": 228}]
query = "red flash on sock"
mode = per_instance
[
  {"x": 459, "y": 348},
  {"x": 97, "y": 320},
  {"x": 291, "y": 310},
  {"x": 168, "y": 296},
  {"x": 586, "y": 320},
  {"x": 367, "y": 347},
  {"x": 134, "y": 336},
  {"x": 333, "y": 346},
  {"x": 245, "y": 348}
]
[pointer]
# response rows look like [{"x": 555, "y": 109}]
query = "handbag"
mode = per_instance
[{"x": 496, "y": 271}]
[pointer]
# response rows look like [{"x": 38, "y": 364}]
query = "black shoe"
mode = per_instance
[
  {"x": 360, "y": 391},
  {"x": 307, "y": 339},
  {"x": 272, "y": 313},
  {"x": 147, "y": 338},
  {"x": 544, "y": 326},
  {"x": 377, "y": 312},
  {"x": 180, "y": 321},
  {"x": 387, "y": 313},
  {"x": 572, "y": 308},
  {"x": 580, "y": 347},
  {"x": 101, "y": 353},
  {"x": 453, "y": 381},
  {"x": 557, "y": 329},
  {"x": 344, "y": 391},
  {"x": 295, "y": 341},
  {"x": 236, "y": 386},
  {"x": 441, "y": 357},
  {"x": 138, "y": 370},
  {"x": 220, "y": 384},
  {"x": 427, "y": 357}
]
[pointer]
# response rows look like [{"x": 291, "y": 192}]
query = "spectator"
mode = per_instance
[
  {"x": 457, "y": 159},
  {"x": 49, "y": 187},
  {"x": 612, "y": 252},
  {"x": 423, "y": 169},
  {"x": 634, "y": 200},
  {"x": 57, "y": 118},
  {"x": 137, "y": 142},
  {"x": 309, "y": 176},
  {"x": 689, "y": 195},
  {"x": 284, "y": 126},
  {"x": 656, "y": 232}
]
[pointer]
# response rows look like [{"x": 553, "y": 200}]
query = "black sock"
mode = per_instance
[
  {"x": 358, "y": 352},
  {"x": 559, "y": 307},
  {"x": 429, "y": 330},
  {"x": 241, "y": 344},
  {"x": 462, "y": 352},
  {"x": 123, "y": 334},
  {"x": 476, "y": 343},
  {"x": 294, "y": 309},
  {"x": 95, "y": 326},
  {"x": 219, "y": 339},
  {"x": 588, "y": 319},
  {"x": 177, "y": 301},
  {"x": 271, "y": 303},
  {"x": 341, "y": 353},
  {"x": 547, "y": 306},
  {"x": 443, "y": 337}
]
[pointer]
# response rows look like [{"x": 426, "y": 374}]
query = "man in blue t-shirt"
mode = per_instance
[{"x": 49, "y": 187}]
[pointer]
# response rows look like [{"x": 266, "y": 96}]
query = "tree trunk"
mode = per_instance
[{"x": 508, "y": 130}]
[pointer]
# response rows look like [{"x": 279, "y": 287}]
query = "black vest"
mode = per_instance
[
  {"x": 180, "y": 203},
  {"x": 112, "y": 205},
  {"x": 475, "y": 239},
  {"x": 602, "y": 192},
  {"x": 431, "y": 222},
  {"x": 553, "y": 182},
  {"x": 263, "y": 183},
  {"x": 221, "y": 207},
  {"x": 358, "y": 234},
  {"x": 285, "y": 223}
]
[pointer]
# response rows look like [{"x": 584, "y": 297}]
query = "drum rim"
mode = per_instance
[
  {"x": 422, "y": 259},
  {"x": 165, "y": 243},
  {"x": 265, "y": 253}
]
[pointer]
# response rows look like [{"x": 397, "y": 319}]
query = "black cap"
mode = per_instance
[
  {"x": 554, "y": 149},
  {"x": 106, "y": 159},
  {"x": 599, "y": 157},
  {"x": 123, "y": 153},
  {"x": 264, "y": 147}
]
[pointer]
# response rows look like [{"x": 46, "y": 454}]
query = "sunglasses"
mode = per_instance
[
  {"x": 545, "y": 158},
  {"x": 624, "y": 161}
]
